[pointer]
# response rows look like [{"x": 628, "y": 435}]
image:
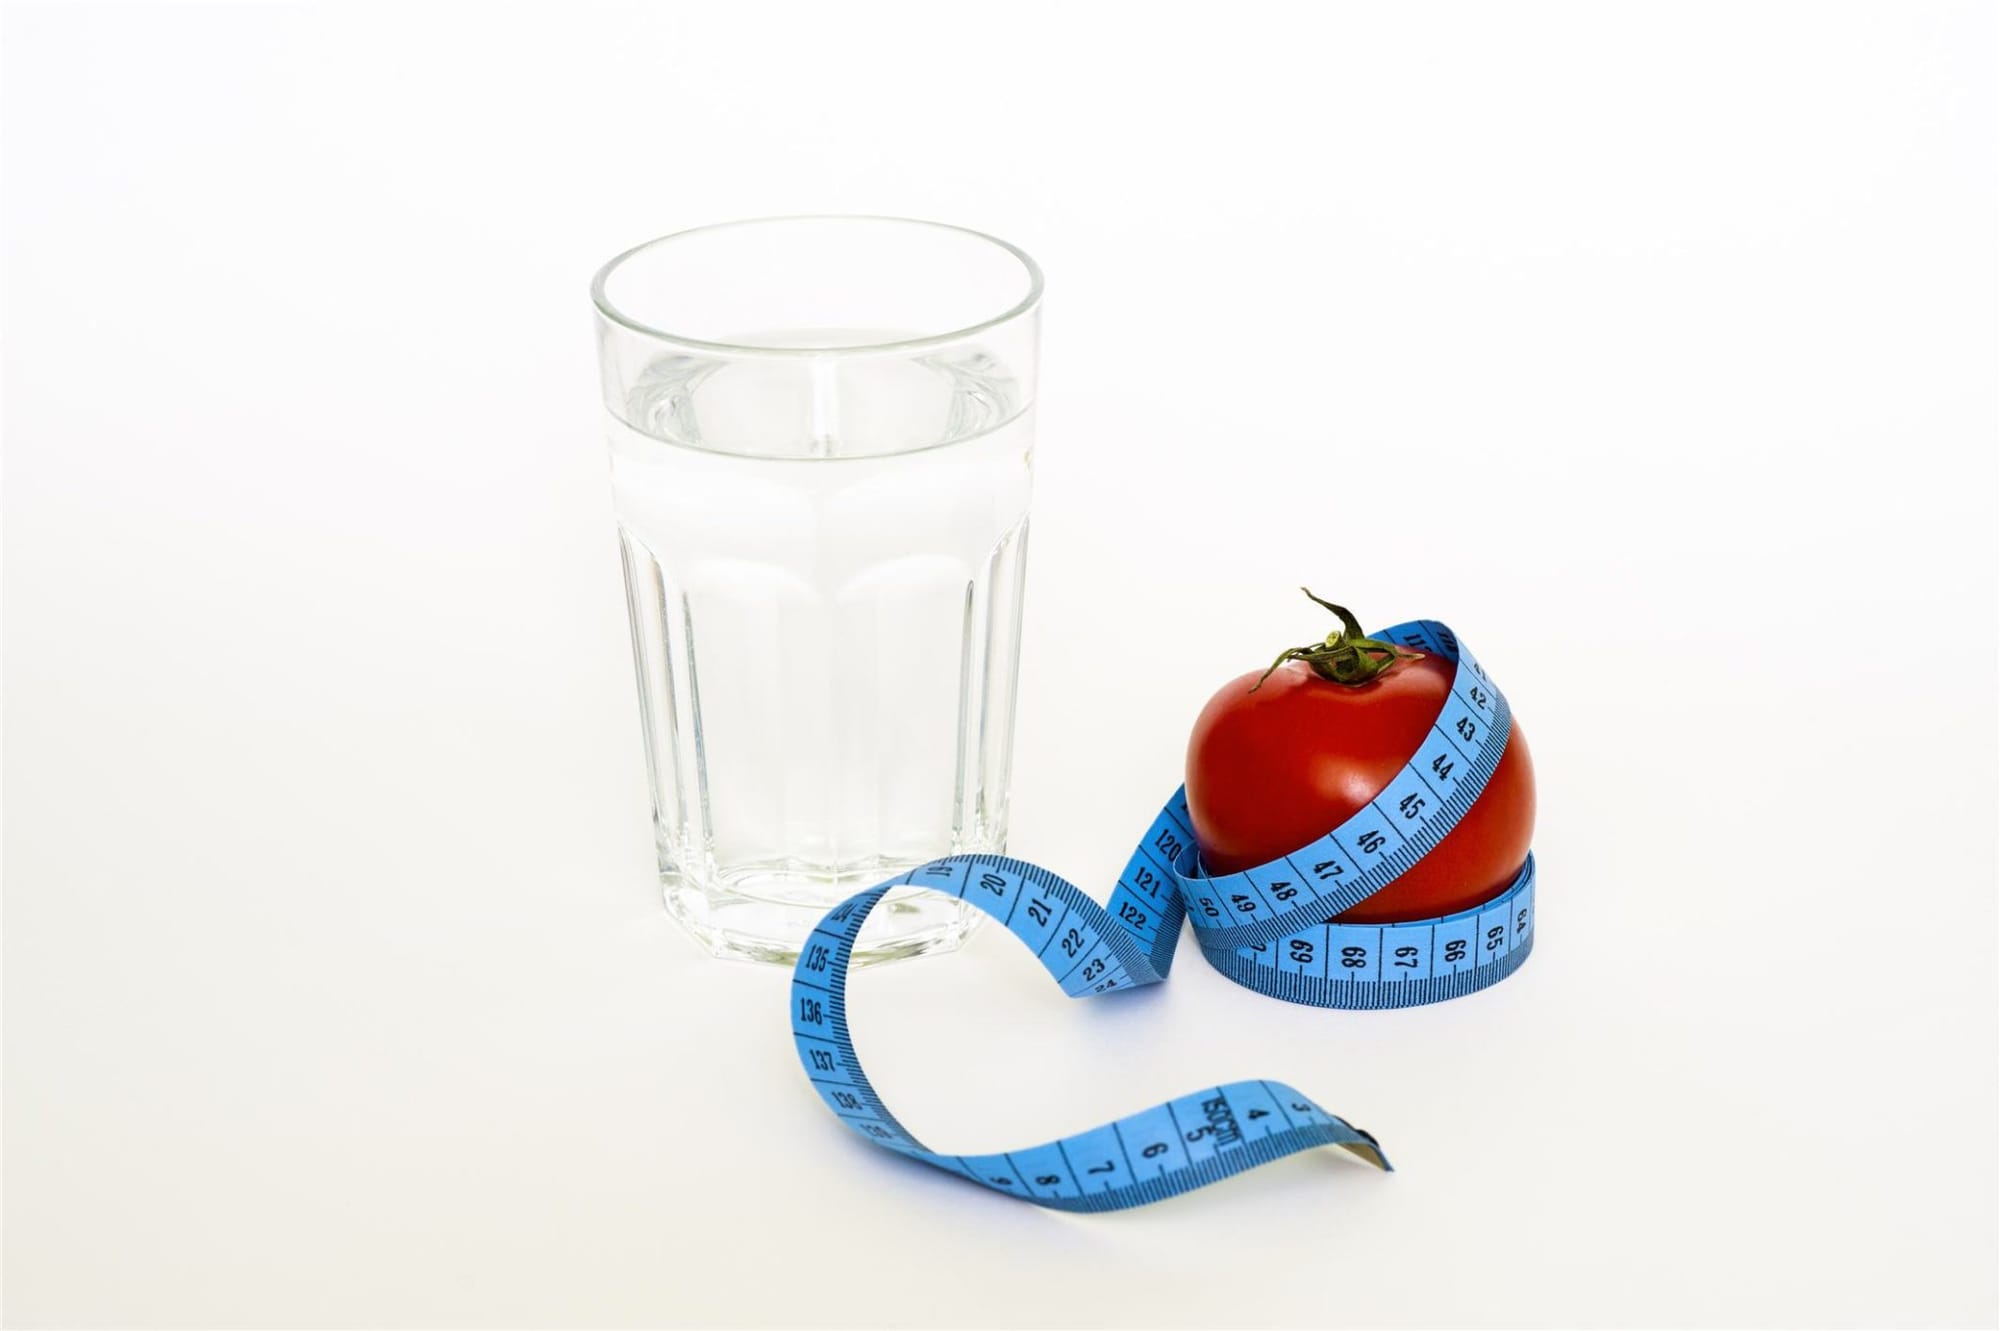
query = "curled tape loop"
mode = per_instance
[{"x": 1265, "y": 928}]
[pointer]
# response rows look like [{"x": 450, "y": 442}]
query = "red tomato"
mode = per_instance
[{"x": 1274, "y": 769}]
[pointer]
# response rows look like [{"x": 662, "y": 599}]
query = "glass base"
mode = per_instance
[{"x": 766, "y": 916}]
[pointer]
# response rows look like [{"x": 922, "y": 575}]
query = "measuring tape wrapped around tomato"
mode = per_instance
[{"x": 1401, "y": 743}]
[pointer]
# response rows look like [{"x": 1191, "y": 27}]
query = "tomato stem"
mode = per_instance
[{"x": 1346, "y": 656}]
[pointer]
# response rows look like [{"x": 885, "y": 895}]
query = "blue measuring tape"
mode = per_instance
[{"x": 1265, "y": 928}]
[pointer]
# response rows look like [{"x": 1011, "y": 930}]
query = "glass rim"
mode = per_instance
[{"x": 611, "y": 312}]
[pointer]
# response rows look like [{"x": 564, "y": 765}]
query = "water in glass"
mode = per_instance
[{"x": 825, "y": 577}]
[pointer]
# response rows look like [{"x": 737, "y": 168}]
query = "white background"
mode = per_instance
[{"x": 1652, "y": 346}]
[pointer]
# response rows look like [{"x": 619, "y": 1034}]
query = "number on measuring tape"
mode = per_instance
[{"x": 1270, "y": 929}]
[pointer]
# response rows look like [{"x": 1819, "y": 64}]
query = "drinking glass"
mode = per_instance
[{"x": 821, "y": 430}]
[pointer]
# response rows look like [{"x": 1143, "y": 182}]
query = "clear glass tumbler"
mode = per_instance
[{"x": 821, "y": 431}]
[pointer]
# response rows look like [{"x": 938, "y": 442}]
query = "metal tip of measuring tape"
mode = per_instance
[{"x": 1370, "y": 1150}]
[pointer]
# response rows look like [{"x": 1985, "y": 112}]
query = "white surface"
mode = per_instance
[{"x": 1654, "y": 347}]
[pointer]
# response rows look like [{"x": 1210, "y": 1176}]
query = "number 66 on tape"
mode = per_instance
[{"x": 1267, "y": 928}]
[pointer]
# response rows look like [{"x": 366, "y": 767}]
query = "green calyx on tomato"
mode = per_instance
[{"x": 1346, "y": 655}]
